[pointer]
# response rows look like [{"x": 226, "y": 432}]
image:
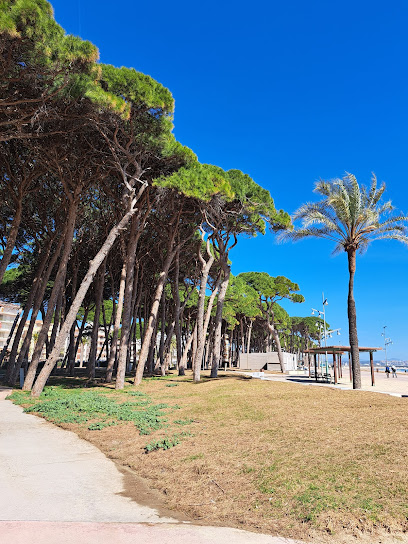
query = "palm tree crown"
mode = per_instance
[{"x": 351, "y": 216}]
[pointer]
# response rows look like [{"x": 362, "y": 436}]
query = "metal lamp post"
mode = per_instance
[
  {"x": 387, "y": 342},
  {"x": 326, "y": 333}
]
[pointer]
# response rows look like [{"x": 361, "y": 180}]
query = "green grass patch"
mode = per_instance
[
  {"x": 165, "y": 443},
  {"x": 184, "y": 421},
  {"x": 81, "y": 406}
]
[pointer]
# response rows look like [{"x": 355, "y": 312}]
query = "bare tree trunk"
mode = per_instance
[
  {"x": 197, "y": 357},
  {"x": 118, "y": 318},
  {"x": 177, "y": 312},
  {"x": 99, "y": 285},
  {"x": 83, "y": 289},
  {"x": 37, "y": 282},
  {"x": 58, "y": 286},
  {"x": 248, "y": 348},
  {"x": 209, "y": 351},
  {"x": 153, "y": 314},
  {"x": 276, "y": 339},
  {"x": 134, "y": 236},
  {"x": 194, "y": 350},
  {"x": 205, "y": 270},
  {"x": 167, "y": 348},
  {"x": 162, "y": 329},
  {"x": 57, "y": 319},
  {"x": 218, "y": 323},
  {"x": 150, "y": 356},
  {"x": 187, "y": 347},
  {"x": 352, "y": 318},
  {"x": 80, "y": 333}
]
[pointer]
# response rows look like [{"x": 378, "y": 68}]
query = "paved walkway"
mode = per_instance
[
  {"x": 391, "y": 386},
  {"x": 58, "y": 489}
]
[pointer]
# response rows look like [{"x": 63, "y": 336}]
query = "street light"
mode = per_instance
[
  {"x": 387, "y": 342},
  {"x": 326, "y": 333}
]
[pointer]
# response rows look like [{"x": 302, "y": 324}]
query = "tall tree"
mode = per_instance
[
  {"x": 270, "y": 290},
  {"x": 352, "y": 216}
]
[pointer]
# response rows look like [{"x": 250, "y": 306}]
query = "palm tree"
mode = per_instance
[{"x": 351, "y": 216}]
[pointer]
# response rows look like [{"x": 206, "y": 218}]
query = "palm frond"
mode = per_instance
[
  {"x": 400, "y": 237},
  {"x": 350, "y": 215}
]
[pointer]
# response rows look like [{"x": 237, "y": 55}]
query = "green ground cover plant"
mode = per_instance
[{"x": 100, "y": 408}]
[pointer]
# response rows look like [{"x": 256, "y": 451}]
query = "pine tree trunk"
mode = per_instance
[
  {"x": 275, "y": 336},
  {"x": 11, "y": 239},
  {"x": 218, "y": 323},
  {"x": 352, "y": 319},
  {"x": 118, "y": 319},
  {"x": 134, "y": 236},
  {"x": 197, "y": 357},
  {"x": 76, "y": 304},
  {"x": 35, "y": 298},
  {"x": 99, "y": 285},
  {"x": 248, "y": 349},
  {"x": 144, "y": 352},
  {"x": 30, "y": 300},
  {"x": 57, "y": 319},
  {"x": 187, "y": 347},
  {"x": 177, "y": 312},
  {"x": 163, "y": 329},
  {"x": 201, "y": 334},
  {"x": 80, "y": 333},
  {"x": 57, "y": 288}
]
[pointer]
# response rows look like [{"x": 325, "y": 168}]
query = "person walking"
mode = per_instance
[
  {"x": 394, "y": 372},
  {"x": 387, "y": 371}
]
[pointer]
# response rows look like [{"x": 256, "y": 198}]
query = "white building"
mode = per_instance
[{"x": 8, "y": 313}]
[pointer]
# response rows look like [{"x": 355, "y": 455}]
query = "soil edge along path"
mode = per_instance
[{"x": 63, "y": 489}]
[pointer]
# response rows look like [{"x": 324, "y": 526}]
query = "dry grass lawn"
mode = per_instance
[{"x": 281, "y": 458}]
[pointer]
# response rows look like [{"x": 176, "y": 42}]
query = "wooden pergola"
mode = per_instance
[{"x": 337, "y": 352}]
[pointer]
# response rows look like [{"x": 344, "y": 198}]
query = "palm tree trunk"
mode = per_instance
[{"x": 352, "y": 319}]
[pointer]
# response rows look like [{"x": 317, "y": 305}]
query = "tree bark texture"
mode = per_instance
[
  {"x": 205, "y": 270},
  {"x": 218, "y": 323},
  {"x": 134, "y": 236},
  {"x": 118, "y": 319},
  {"x": 76, "y": 304},
  {"x": 57, "y": 288},
  {"x": 144, "y": 352},
  {"x": 36, "y": 293},
  {"x": 352, "y": 319},
  {"x": 99, "y": 285}
]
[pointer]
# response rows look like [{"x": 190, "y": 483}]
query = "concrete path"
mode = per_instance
[
  {"x": 397, "y": 387},
  {"x": 57, "y": 488}
]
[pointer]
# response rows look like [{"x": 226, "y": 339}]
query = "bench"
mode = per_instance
[{"x": 323, "y": 377}]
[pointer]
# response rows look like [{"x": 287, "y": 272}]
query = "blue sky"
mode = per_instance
[{"x": 288, "y": 92}]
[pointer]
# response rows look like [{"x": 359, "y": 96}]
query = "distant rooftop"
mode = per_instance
[{"x": 339, "y": 349}]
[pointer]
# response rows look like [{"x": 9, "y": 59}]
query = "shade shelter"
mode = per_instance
[{"x": 337, "y": 352}]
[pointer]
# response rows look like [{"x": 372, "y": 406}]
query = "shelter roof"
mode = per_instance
[{"x": 340, "y": 349}]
